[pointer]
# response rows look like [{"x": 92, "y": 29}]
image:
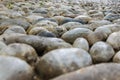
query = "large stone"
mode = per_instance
[
  {"x": 40, "y": 44},
  {"x": 104, "y": 30},
  {"x": 20, "y": 22},
  {"x": 72, "y": 35},
  {"x": 95, "y": 72},
  {"x": 96, "y": 36},
  {"x": 22, "y": 51},
  {"x": 97, "y": 23},
  {"x": 101, "y": 52},
  {"x": 61, "y": 61},
  {"x": 114, "y": 40},
  {"x": 15, "y": 29},
  {"x": 12, "y": 68}
]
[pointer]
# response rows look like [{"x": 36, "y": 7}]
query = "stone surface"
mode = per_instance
[
  {"x": 114, "y": 40},
  {"x": 116, "y": 58},
  {"x": 95, "y": 72},
  {"x": 101, "y": 52},
  {"x": 15, "y": 69},
  {"x": 61, "y": 61},
  {"x": 40, "y": 44},
  {"x": 81, "y": 43},
  {"x": 72, "y": 35},
  {"x": 22, "y": 51}
]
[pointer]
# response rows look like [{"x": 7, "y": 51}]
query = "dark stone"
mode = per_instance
[
  {"x": 46, "y": 34},
  {"x": 49, "y": 19},
  {"x": 21, "y": 22},
  {"x": 72, "y": 20}
]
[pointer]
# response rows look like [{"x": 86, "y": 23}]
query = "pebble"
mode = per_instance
[{"x": 81, "y": 43}]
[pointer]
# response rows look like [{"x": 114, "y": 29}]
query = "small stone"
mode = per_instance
[{"x": 81, "y": 43}]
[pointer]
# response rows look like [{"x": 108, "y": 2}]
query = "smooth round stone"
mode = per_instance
[
  {"x": 20, "y": 22},
  {"x": 81, "y": 43},
  {"x": 111, "y": 17},
  {"x": 70, "y": 25},
  {"x": 66, "y": 20},
  {"x": 2, "y": 45},
  {"x": 32, "y": 18},
  {"x": 40, "y": 10},
  {"x": 96, "y": 36},
  {"x": 95, "y": 72},
  {"x": 84, "y": 18},
  {"x": 105, "y": 30},
  {"x": 15, "y": 29},
  {"x": 95, "y": 24},
  {"x": 40, "y": 44},
  {"x": 49, "y": 19},
  {"x": 16, "y": 69},
  {"x": 61, "y": 61},
  {"x": 46, "y": 23},
  {"x": 72, "y": 35},
  {"x": 101, "y": 52},
  {"x": 117, "y": 21},
  {"x": 97, "y": 16},
  {"x": 58, "y": 30},
  {"x": 35, "y": 30},
  {"x": 92, "y": 11},
  {"x": 73, "y": 25},
  {"x": 114, "y": 40},
  {"x": 113, "y": 27},
  {"x": 14, "y": 14},
  {"x": 46, "y": 34},
  {"x": 22, "y": 51},
  {"x": 116, "y": 58},
  {"x": 59, "y": 19}
]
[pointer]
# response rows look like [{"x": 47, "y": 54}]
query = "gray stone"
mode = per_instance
[
  {"x": 12, "y": 68},
  {"x": 101, "y": 52},
  {"x": 95, "y": 72},
  {"x": 61, "y": 61}
]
